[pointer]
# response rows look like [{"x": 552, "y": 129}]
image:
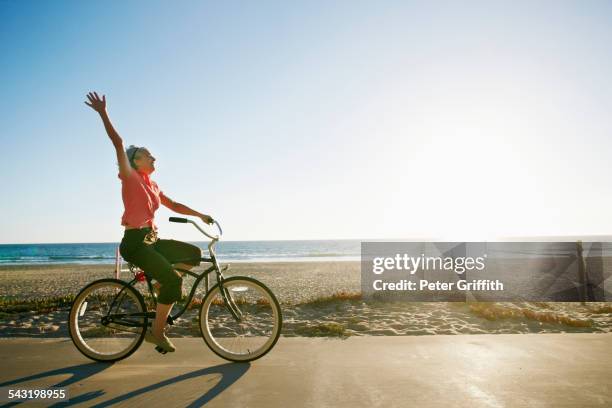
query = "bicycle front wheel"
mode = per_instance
[
  {"x": 252, "y": 330},
  {"x": 108, "y": 320}
]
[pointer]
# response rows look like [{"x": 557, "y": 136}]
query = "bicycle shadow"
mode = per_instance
[
  {"x": 79, "y": 372},
  {"x": 230, "y": 372}
]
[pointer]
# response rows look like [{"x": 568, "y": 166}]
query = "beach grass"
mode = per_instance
[
  {"x": 492, "y": 312},
  {"x": 325, "y": 329},
  {"x": 339, "y": 296},
  {"x": 45, "y": 305}
]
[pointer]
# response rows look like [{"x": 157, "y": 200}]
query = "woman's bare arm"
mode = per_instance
[
  {"x": 183, "y": 209},
  {"x": 99, "y": 105}
]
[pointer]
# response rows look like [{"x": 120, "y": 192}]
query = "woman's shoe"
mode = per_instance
[{"x": 164, "y": 342}]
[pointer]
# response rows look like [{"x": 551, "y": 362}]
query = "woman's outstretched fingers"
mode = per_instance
[{"x": 95, "y": 102}]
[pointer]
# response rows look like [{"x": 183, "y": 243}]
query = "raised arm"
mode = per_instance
[{"x": 99, "y": 105}]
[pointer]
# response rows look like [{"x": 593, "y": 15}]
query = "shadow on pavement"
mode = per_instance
[
  {"x": 231, "y": 372},
  {"x": 79, "y": 372}
]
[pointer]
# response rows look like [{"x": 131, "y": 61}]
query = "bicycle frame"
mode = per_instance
[{"x": 215, "y": 267}]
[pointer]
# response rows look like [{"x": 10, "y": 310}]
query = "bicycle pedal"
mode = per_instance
[{"x": 160, "y": 350}]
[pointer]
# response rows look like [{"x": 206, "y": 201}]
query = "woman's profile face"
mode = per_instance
[{"x": 144, "y": 161}]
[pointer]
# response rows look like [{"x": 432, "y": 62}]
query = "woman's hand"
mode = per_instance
[
  {"x": 206, "y": 218},
  {"x": 95, "y": 103}
]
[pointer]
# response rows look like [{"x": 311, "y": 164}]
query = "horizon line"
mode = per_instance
[{"x": 542, "y": 238}]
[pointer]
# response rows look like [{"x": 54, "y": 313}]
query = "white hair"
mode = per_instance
[{"x": 131, "y": 152}]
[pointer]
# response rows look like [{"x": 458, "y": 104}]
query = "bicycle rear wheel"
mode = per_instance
[
  {"x": 256, "y": 330},
  {"x": 108, "y": 320}
]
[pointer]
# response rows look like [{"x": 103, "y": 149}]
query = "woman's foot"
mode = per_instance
[{"x": 163, "y": 341}]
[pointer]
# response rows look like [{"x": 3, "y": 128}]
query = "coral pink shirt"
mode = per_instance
[{"x": 141, "y": 198}]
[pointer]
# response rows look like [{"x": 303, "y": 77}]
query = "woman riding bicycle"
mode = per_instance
[{"x": 140, "y": 245}]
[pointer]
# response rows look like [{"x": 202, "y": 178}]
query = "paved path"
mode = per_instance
[{"x": 514, "y": 370}]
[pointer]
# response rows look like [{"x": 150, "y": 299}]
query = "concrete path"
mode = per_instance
[{"x": 514, "y": 370}]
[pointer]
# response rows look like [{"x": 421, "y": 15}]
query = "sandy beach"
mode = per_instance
[{"x": 317, "y": 299}]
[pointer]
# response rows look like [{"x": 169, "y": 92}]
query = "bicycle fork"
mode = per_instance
[{"x": 229, "y": 302}]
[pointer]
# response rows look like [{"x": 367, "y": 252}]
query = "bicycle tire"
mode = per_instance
[
  {"x": 80, "y": 307},
  {"x": 254, "y": 305}
]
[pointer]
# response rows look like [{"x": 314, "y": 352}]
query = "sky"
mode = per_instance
[{"x": 311, "y": 120}]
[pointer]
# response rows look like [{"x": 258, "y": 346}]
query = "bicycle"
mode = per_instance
[{"x": 239, "y": 319}]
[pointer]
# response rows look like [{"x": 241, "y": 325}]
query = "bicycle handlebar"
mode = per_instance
[{"x": 185, "y": 220}]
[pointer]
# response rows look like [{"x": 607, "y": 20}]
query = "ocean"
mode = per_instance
[
  {"x": 255, "y": 251},
  {"x": 227, "y": 251}
]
